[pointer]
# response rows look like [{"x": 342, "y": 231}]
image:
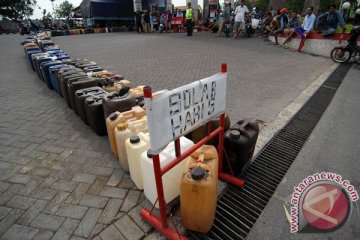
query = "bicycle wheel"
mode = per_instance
[{"x": 340, "y": 55}]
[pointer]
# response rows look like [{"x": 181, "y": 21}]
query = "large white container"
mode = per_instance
[
  {"x": 171, "y": 179},
  {"x": 135, "y": 146},
  {"x": 121, "y": 134}
]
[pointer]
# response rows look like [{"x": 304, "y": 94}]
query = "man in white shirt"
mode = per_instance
[{"x": 240, "y": 12}]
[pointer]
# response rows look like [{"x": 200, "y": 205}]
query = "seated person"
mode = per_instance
[
  {"x": 266, "y": 23},
  {"x": 294, "y": 21},
  {"x": 305, "y": 28},
  {"x": 328, "y": 22},
  {"x": 274, "y": 25},
  {"x": 283, "y": 22}
]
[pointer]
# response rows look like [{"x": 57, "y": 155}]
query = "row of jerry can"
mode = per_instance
[
  {"x": 92, "y": 92},
  {"x": 110, "y": 105}
]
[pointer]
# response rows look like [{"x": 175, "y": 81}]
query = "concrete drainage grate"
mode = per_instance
[{"x": 238, "y": 209}]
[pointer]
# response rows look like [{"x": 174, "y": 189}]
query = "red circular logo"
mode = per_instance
[{"x": 325, "y": 206}]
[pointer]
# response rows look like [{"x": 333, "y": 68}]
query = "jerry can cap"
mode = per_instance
[
  {"x": 113, "y": 116},
  {"x": 149, "y": 154},
  {"x": 134, "y": 139},
  {"x": 121, "y": 126},
  {"x": 197, "y": 173},
  {"x": 235, "y": 134}
]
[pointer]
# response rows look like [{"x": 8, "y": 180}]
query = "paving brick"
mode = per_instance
[
  {"x": 66, "y": 230},
  {"x": 20, "y": 202},
  {"x": 111, "y": 233},
  {"x": 131, "y": 200},
  {"x": 56, "y": 202},
  {"x": 97, "y": 229},
  {"x": 77, "y": 238},
  {"x": 19, "y": 232},
  {"x": 135, "y": 216},
  {"x": 110, "y": 211},
  {"x": 128, "y": 228},
  {"x": 4, "y": 186},
  {"x": 115, "y": 178},
  {"x": 19, "y": 178},
  {"x": 43, "y": 235},
  {"x": 101, "y": 171},
  {"x": 88, "y": 222},
  {"x": 9, "y": 220},
  {"x": 84, "y": 178},
  {"x": 113, "y": 192},
  {"x": 78, "y": 193},
  {"x": 71, "y": 211},
  {"x": 44, "y": 193},
  {"x": 30, "y": 148},
  {"x": 32, "y": 212},
  {"x": 93, "y": 201},
  {"x": 98, "y": 185},
  {"x": 4, "y": 211},
  {"x": 46, "y": 221},
  {"x": 65, "y": 186}
]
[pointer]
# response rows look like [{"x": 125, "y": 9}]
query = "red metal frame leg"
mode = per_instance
[{"x": 155, "y": 221}]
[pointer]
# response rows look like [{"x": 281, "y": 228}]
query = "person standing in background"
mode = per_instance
[
  {"x": 226, "y": 17},
  {"x": 189, "y": 19},
  {"x": 147, "y": 21},
  {"x": 169, "y": 17},
  {"x": 240, "y": 12},
  {"x": 138, "y": 23},
  {"x": 151, "y": 17}
]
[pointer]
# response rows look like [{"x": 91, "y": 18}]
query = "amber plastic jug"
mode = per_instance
[
  {"x": 137, "y": 126},
  {"x": 121, "y": 134},
  {"x": 111, "y": 123},
  {"x": 134, "y": 114},
  {"x": 137, "y": 91},
  {"x": 198, "y": 189},
  {"x": 240, "y": 141}
]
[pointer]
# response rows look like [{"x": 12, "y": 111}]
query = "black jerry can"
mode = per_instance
[
  {"x": 73, "y": 86},
  {"x": 95, "y": 114},
  {"x": 239, "y": 145},
  {"x": 81, "y": 95}
]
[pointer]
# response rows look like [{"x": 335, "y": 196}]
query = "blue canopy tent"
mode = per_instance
[{"x": 107, "y": 9}]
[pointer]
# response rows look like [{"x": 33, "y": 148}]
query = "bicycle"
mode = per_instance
[{"x": 344, "y": 53}]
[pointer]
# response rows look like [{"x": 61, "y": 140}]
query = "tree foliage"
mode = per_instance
[
  {"x": 64, "y": 9},
  {"x": 262, "y": 4},
  {"x": 17, "y": 9},
  {"x": 295, "y": 5}
]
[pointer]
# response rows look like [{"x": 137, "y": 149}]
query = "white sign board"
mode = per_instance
[{"x": 177, "y": 112}]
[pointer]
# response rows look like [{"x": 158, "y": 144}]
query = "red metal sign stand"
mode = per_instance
[{"x": 161, "y": 223}]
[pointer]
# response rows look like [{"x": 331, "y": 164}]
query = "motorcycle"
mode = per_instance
[
  {"x": 351, "y": 50},
  {"x": 228, "y": 28},
  {"x": 251, "y": 25}
]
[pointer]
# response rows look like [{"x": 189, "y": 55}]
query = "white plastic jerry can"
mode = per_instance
[
  {"x": 171, "y": 180},
  {"x": 135, "y": 146}
]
